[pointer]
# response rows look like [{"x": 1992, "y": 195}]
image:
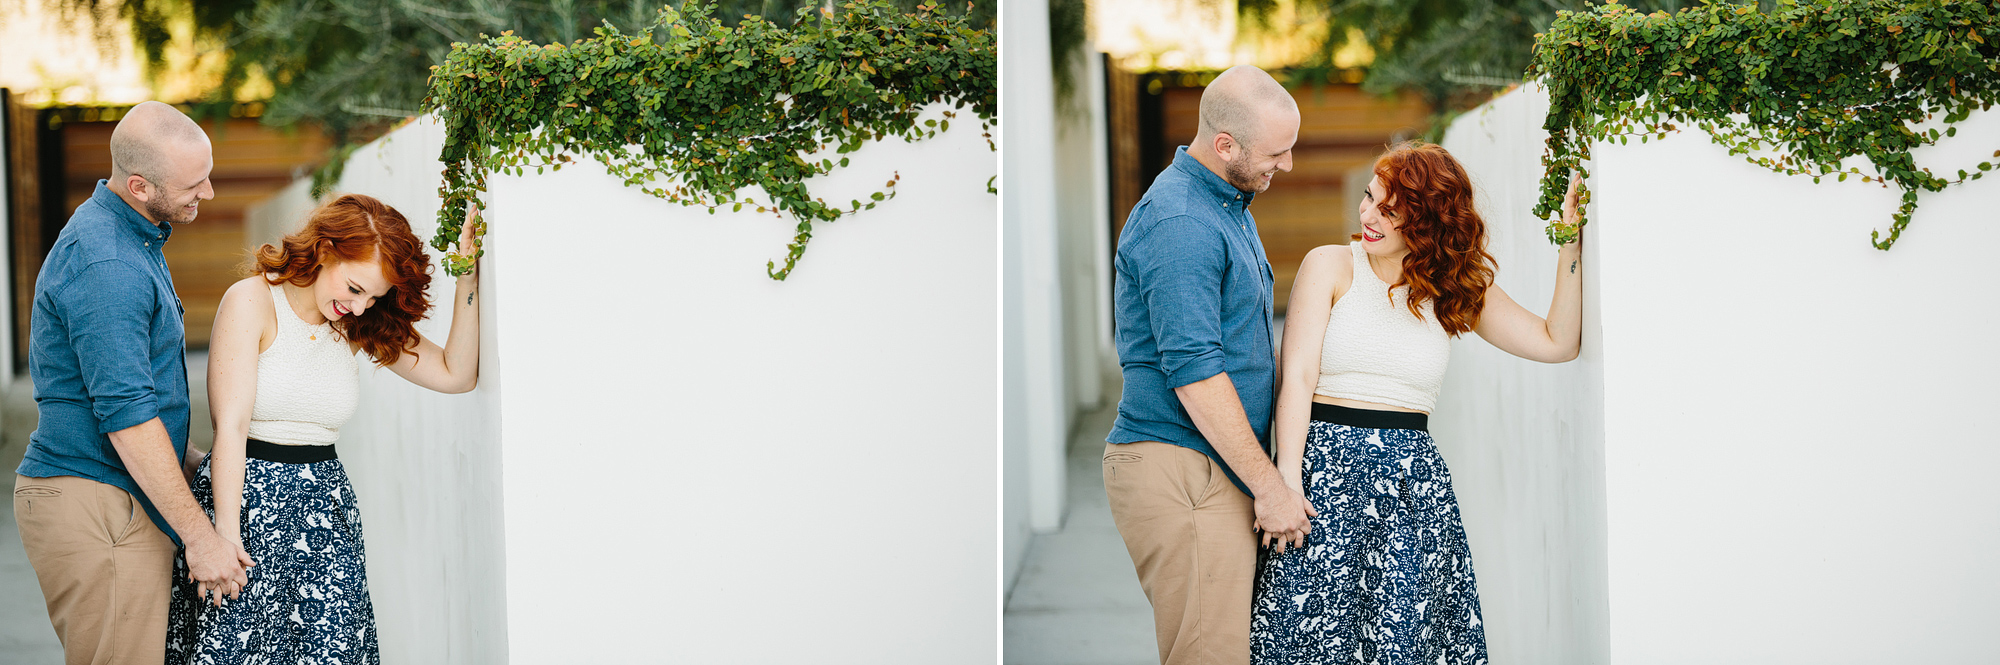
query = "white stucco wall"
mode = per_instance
[
  {"x": 690, "y": 462},
  {"x": 1083, "y": 228},
  {"x": 6, "y": 238},
  {"x": 1795, "y": 466},
  {"x": 1080, "y": 227},
  {"x": 709, "y": 466},
  {"x": 1037, "y": 403},
  {"x": 268, "y": 221},
  {"x": 1525, "y": 440},
  {"x": 1764, "y": 453}
]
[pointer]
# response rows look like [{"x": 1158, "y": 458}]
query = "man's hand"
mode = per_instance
[
  {"x": 213, "y": 561},
  {"x": 216, "y": 564},
  {"x": 1284, "y": 516},
  {"x": 1217, "y": 411}
]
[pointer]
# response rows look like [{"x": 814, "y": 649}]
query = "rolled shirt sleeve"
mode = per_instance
[
  {"x": 1180, "y": 267},
  {"x": 109, "y": 309}
]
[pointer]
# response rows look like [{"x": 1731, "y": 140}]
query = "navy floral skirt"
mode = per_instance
[
  {"x": 1385, "y": 577},
  {"x": 307, "y": 601}
]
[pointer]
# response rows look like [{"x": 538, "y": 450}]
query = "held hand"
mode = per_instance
[
  {"x": 217, "y": 564},
  {"x": 243, "y": 559},
  {"x": 1285, "y": 518}
]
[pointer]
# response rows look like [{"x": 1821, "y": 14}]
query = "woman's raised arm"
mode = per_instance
[
  {"x": 453, "y": 368},
  {"x": 1511, "y": 327}
]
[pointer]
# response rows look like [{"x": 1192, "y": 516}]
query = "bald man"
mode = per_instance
[
  {"x": 102, "y": 496},
  {"x": 1187, "y": 453}
]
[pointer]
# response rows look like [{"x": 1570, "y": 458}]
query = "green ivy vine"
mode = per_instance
[
  {"x": 693, "y": 111},
  {"x": 1798, "y": 90}
]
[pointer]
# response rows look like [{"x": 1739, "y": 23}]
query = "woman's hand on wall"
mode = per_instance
[
  {"x": 1571, "y": 200},
  {"x": 467, "y": 247}
]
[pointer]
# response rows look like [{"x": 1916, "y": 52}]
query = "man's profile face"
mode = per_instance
[
  {"x": 176, "y": 193},
  {"x": 1269, "y": 151}
]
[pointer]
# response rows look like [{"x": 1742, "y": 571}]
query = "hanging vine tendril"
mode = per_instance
[
  {"x": 1798, "y": 90},
  {"x": 693, "y": 111}
]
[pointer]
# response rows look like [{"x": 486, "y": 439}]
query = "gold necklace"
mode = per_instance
[{"x": 312, "y": 333}]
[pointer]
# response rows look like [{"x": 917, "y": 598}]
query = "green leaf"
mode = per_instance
[{"x": 679, "y": 101}]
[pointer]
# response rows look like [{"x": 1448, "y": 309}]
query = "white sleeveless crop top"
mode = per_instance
[
  {"x": 308, "y": 382},
  {"x": 1375, "y": 351}
]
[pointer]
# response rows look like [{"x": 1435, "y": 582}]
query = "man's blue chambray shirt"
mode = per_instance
[
  {"x": 107, "y": 347},
  {"x": 1193, "y": 300}
]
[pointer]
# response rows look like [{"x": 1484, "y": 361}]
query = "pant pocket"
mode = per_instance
[
  {"x": 120, "y": 511},
  {"x": 26, "y": 495},
  {"x": 1121, "y": 464}
]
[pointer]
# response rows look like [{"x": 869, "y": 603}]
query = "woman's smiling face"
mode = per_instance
[
  {"x": 1379, "y": 234},
  {"x": 349, "y": 288}
]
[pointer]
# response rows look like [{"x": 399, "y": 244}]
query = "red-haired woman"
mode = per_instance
[
  {"x": 282, "y": 379},
  {"x": 1385, "y": 576}
]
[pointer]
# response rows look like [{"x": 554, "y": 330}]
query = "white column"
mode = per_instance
[
  {"x": 1100, "y": 206},
  {"x": 1028, "y": 205},
  {"x": 1080, "y": 182},
  {"x": 6, "y": 241}
]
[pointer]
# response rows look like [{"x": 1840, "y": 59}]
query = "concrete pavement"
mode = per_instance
[
  {"x": 25, "y": 635},
  {"x": 1078, "y": 601}
]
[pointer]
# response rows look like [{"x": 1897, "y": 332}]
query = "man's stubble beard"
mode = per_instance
[
  {"x": 1242, "y": 178},
  {"x": 167, "y": 213}
]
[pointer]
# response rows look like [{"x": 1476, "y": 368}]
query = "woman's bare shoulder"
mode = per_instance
[
  {"x": 1330, "y": 261},
  {"x": 248, "y": 297},
  {"x": 252, "y": 290},
  {"x": 246, "y": 313}
]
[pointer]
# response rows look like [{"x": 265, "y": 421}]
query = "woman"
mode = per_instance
[
  {"x": 282, "y": 379},
  {"x": 1385, "y": 576}
]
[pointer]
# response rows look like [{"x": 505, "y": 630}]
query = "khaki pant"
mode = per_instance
[
  {"x": 106, "y": 570},
  {"x": 1189, "y": 532}
]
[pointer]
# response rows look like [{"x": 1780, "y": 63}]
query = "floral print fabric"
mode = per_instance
[
  {"x": 307, "y": 600},
  {"x": 1385, "y": 577}
]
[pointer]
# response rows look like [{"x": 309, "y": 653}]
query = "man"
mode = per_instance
[
  {"x": 102, "y": 496},
  {"x": 1186, "y": 454}
]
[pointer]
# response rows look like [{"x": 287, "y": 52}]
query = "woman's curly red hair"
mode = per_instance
[
  {"x": 1431, "y": 197},
  {"x": 357, "y": 228}
]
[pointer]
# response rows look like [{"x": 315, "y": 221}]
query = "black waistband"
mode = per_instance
[
  {"x": 271, "y": 452},
  {"x": 1370, "y": 418}
]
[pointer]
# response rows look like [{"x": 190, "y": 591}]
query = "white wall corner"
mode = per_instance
[{"x": 1029, "y": 206}]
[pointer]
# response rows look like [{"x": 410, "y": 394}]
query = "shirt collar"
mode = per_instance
[
  {"x": 1212, "y": 184},
  {"x": 130, "y": 219}
]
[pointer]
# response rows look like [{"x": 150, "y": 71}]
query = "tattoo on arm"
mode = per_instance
[
  {"x": 1572, "y": 270},
  {"x": 468, "y": 294}
]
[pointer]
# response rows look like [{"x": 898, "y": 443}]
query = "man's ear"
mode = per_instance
[
  {"x": 139, "y": 187},
  {"x": 1225, "y": 146}
]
